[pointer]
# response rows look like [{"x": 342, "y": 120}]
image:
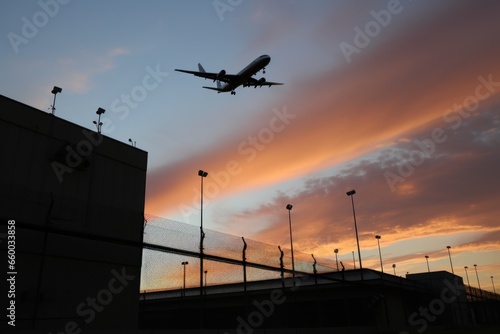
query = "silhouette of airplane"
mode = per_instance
[{"x": 233, "y": 81}]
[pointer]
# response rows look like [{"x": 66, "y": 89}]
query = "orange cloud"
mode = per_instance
[{"x": 344, "y": 113}]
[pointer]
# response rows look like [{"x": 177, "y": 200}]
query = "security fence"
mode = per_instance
[{"x": 171, "y": 258}]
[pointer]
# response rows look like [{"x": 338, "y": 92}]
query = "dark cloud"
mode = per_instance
[{"x": 451, "y": 190}]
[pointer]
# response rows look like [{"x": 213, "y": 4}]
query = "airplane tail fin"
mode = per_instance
[{"x": 200, "y": 68}]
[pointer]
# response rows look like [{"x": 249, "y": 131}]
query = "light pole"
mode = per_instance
[
  {"x": 54, "y": 91},
  {"x": 98, "y": 123},
  {"x": 184, "y": 263},
  {"x": 354, "y": 259},
  {"x": 379, "y": 252},
  {"x": 351, "y": 193},
  {"x": 394, "y": 268},
  {"x": 289, "y": 208},
  {"x": 468, "y": 283},
  {"x": 467, "y": 275},
  {"x": 336, "y": 251},
  {"x": 477, "y": 276},
  {"x": 492, "y": 283},
  {"x": 203, "y": 175},
  {"x": 427, "y": 260},
  {"x": 451, "y": 264}
]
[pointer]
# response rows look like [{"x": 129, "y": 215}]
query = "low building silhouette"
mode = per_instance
[{"x": 351, "y": 301}]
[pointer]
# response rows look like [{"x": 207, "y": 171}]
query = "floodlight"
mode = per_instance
[{"x": 56, "y": 90}]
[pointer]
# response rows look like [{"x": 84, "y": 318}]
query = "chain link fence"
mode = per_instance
[{"x": 168, "y": 243}]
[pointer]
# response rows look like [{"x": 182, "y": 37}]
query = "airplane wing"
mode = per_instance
[
  {"x": 259, "y": 83},
  {"x": 221, "y": 76}
]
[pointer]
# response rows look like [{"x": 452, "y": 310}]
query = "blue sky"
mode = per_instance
[{"x": 346, "y": 120}]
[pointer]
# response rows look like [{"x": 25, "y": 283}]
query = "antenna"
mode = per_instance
[
  {"x": 98, "y": 124},
  {"x": 132, "y": 142},
  {"x": 54, "y": 91}
]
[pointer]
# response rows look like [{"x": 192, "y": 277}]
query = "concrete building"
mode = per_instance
[
  {"x": 353, "y": 301},
  {"x": 76, "y": 201}
]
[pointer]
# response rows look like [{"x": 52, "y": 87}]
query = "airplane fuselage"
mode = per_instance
[{"x": 251, "y": 69}]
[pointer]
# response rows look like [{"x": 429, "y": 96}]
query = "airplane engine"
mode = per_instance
[
  {"x": 221, "y": 75},
  {"x": 262, "y": 80}
]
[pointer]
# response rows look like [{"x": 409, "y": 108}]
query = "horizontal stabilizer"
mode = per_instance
[{"x": 213, "y": 88}]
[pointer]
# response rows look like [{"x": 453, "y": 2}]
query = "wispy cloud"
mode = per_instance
[{"x": 76, "y": 73}]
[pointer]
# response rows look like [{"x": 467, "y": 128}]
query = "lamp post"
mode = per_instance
[
  {"x": 467, "y": 275},
  {"x": 468, "y": 283},
  {"x": 203, "y": 175},
  {"x": 379, "y": 252},
  {"x": 98, "y": 124},
  {"x": 492, "y": 283},
  {"x": 206, "y": 272},
  {"x": 54, "y": 91},
  {"x": 427, "y": 260},
  {"x": 477, "y": 276},
  {"x": 394, "y": 268},
  {"x": 184, "y": 263},
  {"x": 336, "y": 251},
  {"x": 289, "y": 208},
  {"x": 351, "y": 193},
  {"x": 353, "y": 259},
  {"x": 451, "y": 264}
]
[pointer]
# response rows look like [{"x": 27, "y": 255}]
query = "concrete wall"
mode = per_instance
[{"x": 77, "y": 199}]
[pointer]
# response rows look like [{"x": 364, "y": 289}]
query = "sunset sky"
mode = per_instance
[{"x": 398, "y": 100}]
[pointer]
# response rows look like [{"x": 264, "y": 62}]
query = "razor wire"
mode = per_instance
[{"x": 168, "y": 243}]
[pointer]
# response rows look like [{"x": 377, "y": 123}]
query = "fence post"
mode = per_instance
[
  {"x": 281, "y": 267},
  {"x": 314, "y": 270},
  {"x": 244, "y": 258}
]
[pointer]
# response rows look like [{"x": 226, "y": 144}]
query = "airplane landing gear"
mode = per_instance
[
  {"x": 264, "y": 70},
  {"x": 233, "y": 93}
]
